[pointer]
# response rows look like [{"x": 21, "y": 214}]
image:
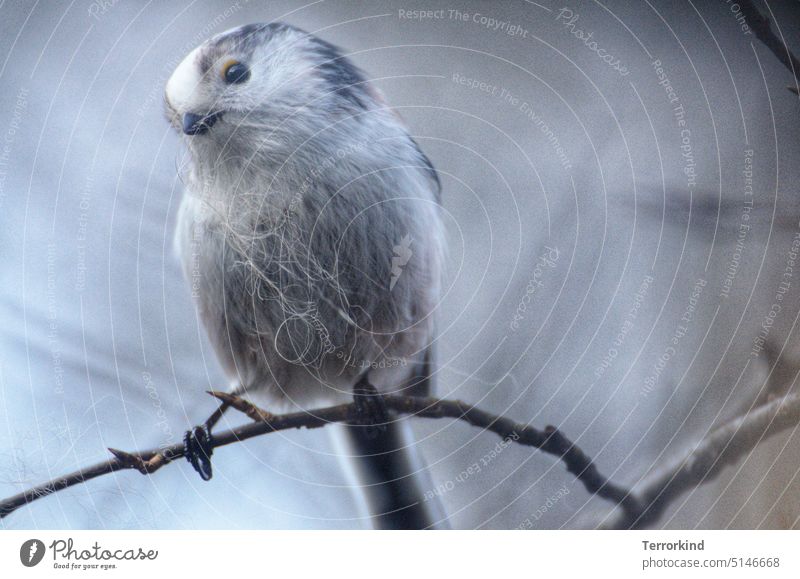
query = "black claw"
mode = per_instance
[
  {"x": 371, "y": 412},
  {"x": 197, "y": 449}
]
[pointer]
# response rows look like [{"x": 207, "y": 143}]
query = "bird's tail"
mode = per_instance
[
  {"x": 391, "y": 472},
  {"x": 394, "y": 480}
]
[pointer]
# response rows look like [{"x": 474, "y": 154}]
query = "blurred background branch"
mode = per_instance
[
  {"x": 724, "y": 446},
  {"x": 764, "y": 33}
]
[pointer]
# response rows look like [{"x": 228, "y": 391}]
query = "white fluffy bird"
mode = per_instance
[{"x": 311, "y": 230}]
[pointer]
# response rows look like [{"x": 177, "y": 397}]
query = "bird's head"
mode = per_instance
[{"x": 271, "y": 78}]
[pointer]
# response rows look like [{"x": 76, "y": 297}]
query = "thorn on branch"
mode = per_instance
[
  {"x": 135, "y": 461},
  {"x": 129, "y": 460},
  {"x": 247, "y": 408}
]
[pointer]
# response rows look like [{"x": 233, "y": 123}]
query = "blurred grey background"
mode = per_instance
[{"x": 635, "y": 336}]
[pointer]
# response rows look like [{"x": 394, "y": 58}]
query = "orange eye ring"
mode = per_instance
[
  {"x": 225, "y": 67},
  {"x": 234, "y": 72}
]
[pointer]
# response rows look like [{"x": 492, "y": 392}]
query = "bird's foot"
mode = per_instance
[
  {"x": 197, "y": 449},
  {"x": 371, "y": 412}
]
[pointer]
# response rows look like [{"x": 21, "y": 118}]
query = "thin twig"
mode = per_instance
[
  {"x": 550, "y": 440},
  {"x": 722, "y": 447}
]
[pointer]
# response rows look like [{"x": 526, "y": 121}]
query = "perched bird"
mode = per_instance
[{"x": 311, "y": 231}]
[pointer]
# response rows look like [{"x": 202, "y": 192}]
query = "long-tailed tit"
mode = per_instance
[{"x": 312, "y": 234}]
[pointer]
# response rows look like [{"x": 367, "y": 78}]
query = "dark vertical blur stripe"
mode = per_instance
[{"x": 394, "y": 479}]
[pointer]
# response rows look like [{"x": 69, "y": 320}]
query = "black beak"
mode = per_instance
[{"x": 199, "y": 124}]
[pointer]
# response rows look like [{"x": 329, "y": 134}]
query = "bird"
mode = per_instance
[{"x": 311, "y": 230}]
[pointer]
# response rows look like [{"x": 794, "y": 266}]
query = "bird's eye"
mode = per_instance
[{"x": 235, "y": 72}]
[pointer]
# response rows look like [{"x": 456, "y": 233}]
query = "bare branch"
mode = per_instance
[
  {"x": 550, "y": 440},
  {"x": 638, "y": 509},
  {"x": 722, "y": 447}
]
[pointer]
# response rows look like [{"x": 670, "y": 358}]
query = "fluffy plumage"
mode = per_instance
[{"x": 311, "y": 224}]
